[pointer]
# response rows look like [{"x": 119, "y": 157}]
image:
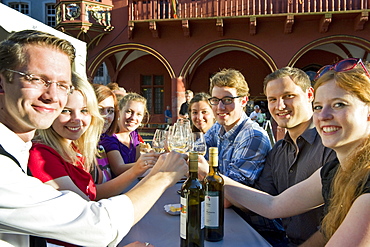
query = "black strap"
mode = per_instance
[{"x": 34, "y": 241}]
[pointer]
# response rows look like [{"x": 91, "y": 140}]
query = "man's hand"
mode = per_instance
[{"x": 173, "y": 164}]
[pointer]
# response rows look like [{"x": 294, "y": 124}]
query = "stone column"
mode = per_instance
[{"x": 177, "y": 96}]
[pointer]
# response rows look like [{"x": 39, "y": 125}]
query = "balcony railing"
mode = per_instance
[{"x": 187, "y": 9}]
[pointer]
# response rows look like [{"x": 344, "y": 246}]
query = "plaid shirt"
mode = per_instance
[
  {"x": 242, "y": 153},
  {"x": 242, "y": 150}
]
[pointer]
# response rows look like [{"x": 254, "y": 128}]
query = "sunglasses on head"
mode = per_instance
[{"x": 341, "y": 66}]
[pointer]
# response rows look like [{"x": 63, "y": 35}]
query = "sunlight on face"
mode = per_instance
[
  {"x": 341, "y": 118},
  {"x": 287, "y": 103},
  {"x": 131, "y": 116},
  {"x": 202, "y": 116},
  {"x": 228, "y": 115},
  {"x": 37, "y": 108},
  {"x": 74, "y": 119}
]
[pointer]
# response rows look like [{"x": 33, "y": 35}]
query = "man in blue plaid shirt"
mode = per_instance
[{"x": 242, "y": 143}]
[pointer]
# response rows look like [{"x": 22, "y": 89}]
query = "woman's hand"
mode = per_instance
[{"x": 145, "y": 161}]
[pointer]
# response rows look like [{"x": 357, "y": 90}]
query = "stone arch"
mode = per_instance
[
  {"x": 338, "y": 39},
  {"x": 92, "y": 68},
  {"x": 206, "y": 49},
  {"x": 253, "y": 62}
]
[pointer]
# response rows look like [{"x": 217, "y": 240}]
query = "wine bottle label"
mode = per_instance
[
  {"x": 183, "y": 217},
  {"x": 212, "y": 209}
]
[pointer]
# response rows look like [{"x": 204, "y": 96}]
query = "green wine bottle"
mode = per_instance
[
  {"x": 192, "y": 207},
  {"x": 214, "y": 200}
]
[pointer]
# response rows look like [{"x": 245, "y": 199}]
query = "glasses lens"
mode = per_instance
[
  {"x": 227, "y": 100},
  {"x": 346, "y": 64},
  {"x": 213, "y": 101},
  {"x": 323, "y": 70}
]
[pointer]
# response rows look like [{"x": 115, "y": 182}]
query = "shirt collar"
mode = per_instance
[
  {"x": 308, "y": 135},
  {"x": 14, "y": 145},
  {"x": 227, "y": 134}
]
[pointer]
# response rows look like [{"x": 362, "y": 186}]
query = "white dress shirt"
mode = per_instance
[{"x": 27, "y": 206}]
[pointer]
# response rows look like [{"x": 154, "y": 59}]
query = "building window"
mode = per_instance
[
  {"x": 50, "y": 15},
  {"x": 101, "y": 75},
  {"x": 152, "y": 88},
  {"x": 21, "y": 7}
]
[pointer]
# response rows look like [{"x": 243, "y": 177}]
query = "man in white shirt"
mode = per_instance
[
  {"x": 255, "y": 114},
  {"x": 35, "y": 80}
]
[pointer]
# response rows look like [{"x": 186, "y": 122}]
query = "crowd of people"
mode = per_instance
[{"x": 70, "y": 148}]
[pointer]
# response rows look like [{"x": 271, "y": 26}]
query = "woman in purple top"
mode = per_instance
[{"x": 122, "y": 148}]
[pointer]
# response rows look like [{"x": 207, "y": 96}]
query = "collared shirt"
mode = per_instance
[
  {"x": 288, "y": 164},
  {"x": 28, "y": 206},
  {"x": 242, "y": 150}
]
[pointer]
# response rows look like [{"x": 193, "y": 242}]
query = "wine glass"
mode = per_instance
[
  {"x": 199, "y": 143},
  {"x": 179, "y": 138},
  {"x": 159, "y": 139}
]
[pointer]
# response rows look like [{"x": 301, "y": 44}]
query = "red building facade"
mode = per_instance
[{"x": 161, "y": 48}]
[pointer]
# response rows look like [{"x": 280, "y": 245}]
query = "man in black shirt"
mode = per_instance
[{"x": 184, "y": 109}]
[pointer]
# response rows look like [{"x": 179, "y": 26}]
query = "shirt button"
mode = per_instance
[{"x": 291, "y": 171}]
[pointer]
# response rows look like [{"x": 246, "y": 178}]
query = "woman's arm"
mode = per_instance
[
  {"x": 355, "y": 229},
  {"x": 297, "y": 199},
  {"x": 114, "y": 157},
  {"x": 66, "y": 183},
  {"x": 116, "y": 162},
  {"x": 117, "y": 185}
]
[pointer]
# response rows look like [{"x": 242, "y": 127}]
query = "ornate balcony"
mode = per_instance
[
  {"x": 153, "y": 11},
  {"x": 188, "y": 9},
  {"x": 81, "y": 17}
]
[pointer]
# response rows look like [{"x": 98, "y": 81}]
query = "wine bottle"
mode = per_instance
[
  {"x": 192, "y": 207},
  {"x": 214, "y": 200}
]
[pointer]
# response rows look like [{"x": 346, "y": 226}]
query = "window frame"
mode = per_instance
[
  {"x": 19, "y": 3},
  {"x": 47, "y": 15},
  {"x": 155, "y": 105}
]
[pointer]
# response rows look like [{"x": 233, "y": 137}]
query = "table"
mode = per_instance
[{"x": 163, "y": 230}]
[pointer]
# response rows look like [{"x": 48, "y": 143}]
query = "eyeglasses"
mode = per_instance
[
  {"x": 35, "y": 81},
  {"x": 341, "y": 66},
  {"x": 225, "y": 100}
]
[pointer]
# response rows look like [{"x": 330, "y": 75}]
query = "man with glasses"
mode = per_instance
[
  {"x": 35, "y": 81},
  {"x": 242, "y": 143},
  {"x": 299, "y": 154}
]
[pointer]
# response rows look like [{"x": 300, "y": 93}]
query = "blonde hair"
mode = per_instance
[
  {"x": 134, "y": 97},
  {"x": 13, "y": 48},
  {"x": 88, "y": 141},
  {"x": 348, "y": 184},
  {"x": 230, "y": 78}
]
